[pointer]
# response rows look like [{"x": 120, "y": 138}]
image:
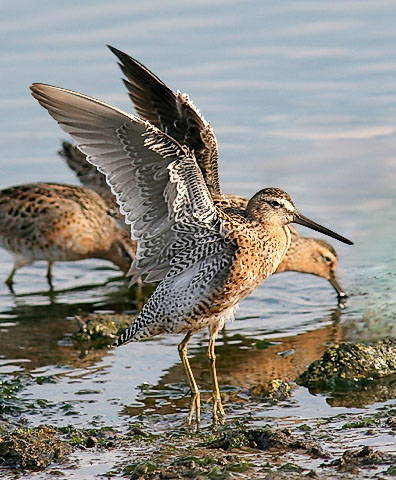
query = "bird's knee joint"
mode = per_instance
[{"x": 211, "y": 357}]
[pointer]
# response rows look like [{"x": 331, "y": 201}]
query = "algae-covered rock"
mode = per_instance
[
  {"x": 32, "y": 449},
  {"x": 264, "y": 439},
  {"x": 99, "y": 331},
  {"x": 345, "y": 364},
  {"x": 273, "y": 390}
]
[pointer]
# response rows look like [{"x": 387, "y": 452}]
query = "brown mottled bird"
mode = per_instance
[
  {"x": 207, "y": 256},
  {"x": 56, "y": 222}
]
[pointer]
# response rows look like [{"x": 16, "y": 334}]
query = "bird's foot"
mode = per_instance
[
  {"x": 195, "y": 408},
  {"x": 218, "y": 413}
]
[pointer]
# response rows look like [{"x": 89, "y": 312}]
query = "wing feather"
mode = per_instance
[
  {"x": 174, "y": 114},
  {"x": 86, "y": 172},
  {"x": 157, "y": 183}
]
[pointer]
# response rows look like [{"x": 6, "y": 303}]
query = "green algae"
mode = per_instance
[
  {"x": 9, "y": 402},
  {"x": 139, "y": 469},
  {"x": 263, "y": 344},
  {"x": 89, "y": 437},
  {"x": 290, "y": 467},
  {"x": 391, "y": 471},
  {"x": 304, "y": 427},
  {"x": 344, "y": 365},
  {"x": 363, "y": 423},
  {"x": 12, "y": 405},
  {"x": 265, "y": 438},
  {"x": 198, "y": 465}
]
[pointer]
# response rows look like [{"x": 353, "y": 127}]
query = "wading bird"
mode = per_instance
[{"x": 56, "y": 222}]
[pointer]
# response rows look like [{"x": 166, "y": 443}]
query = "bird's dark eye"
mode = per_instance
[
  {"x": 275, "y": 203},
  {"x": 327, "y": 259}
]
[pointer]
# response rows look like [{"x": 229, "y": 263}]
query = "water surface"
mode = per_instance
[{"x": 301, "y": 95}]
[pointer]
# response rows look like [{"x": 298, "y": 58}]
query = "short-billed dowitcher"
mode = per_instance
[
  {"x": 174, "y": 114},
  {"x": 55, "y": 222},
  {"x": 206, "y": 256},
  {"x": 305, "y": 255}
]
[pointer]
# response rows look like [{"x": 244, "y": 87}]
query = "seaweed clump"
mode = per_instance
[
  {"x": 104, "y": 437},
  {"x": 100, "y": 331},
  {"x": 32, "y": 449},
  {"x": 345, "y": 365}
]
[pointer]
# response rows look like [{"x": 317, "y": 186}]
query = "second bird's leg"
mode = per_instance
[
  {"x": 18, "y": 263},
  {"x": 218, "y": 410},
  {"x": 195, "y": 405},
  {"x": 49, "y": 273}
]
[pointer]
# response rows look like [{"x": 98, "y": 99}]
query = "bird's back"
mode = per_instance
[{"x": 53, "y": 221}]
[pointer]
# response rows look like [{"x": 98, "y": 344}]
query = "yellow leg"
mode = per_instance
[
  {"x": 218, "y": 410},
  {"x": 195, "y": 405},
  {"x": 49, "y": 273},
  {"x": 18, "y": 263},
  {"x": 10, "y": 279}
]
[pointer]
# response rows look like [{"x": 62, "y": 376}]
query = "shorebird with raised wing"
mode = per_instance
[{"x": 206, "y": 253}]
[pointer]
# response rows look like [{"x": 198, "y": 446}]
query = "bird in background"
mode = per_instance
[
  {"x": 206, "y": 253},
  {"x": 57, "y": 222}
]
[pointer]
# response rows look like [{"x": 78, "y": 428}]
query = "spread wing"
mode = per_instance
[
  {"x": 157, "y": 183},
  {"x": 174, "y": 114}
]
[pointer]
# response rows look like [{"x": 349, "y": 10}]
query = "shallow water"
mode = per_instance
[{"x": 301, "y": 96}]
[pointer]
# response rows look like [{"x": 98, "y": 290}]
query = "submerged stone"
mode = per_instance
[
  {"x": 273, "y": 390},
  {"x": 32, "y": 449},
  {"x": 345, "y": 364}
]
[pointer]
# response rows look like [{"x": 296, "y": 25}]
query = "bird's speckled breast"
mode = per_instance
[{"x": 257, "y": 254}]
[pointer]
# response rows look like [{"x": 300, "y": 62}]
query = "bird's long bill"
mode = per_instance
[
  {"x": 337, "y": 287},
  {"x": 300, "y": 219}
]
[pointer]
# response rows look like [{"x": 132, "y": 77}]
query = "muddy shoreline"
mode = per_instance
[
  {"x": 158, "y": 444},
  {"x": 314, "y": 449}
]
